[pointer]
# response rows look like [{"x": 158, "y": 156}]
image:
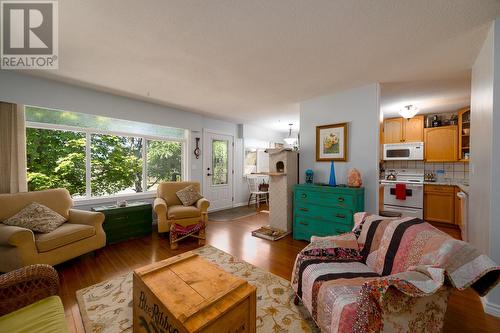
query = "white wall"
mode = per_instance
[
  {"x": 28, "y": 90},
  {"x": 484, "y": 194},
  {"x": 360, "y": 108}
]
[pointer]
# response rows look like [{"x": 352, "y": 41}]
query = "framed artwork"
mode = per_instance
[{"x": 331, "y": 142}]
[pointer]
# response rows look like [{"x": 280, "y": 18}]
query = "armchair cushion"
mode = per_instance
[
  {"x": 46, "y": 315},
  {"x": 36, "y": 217},
  {"x": 188, "y": 195},
  {"x": 66, "y": 234},
  {"x": 182, "y": 212}
]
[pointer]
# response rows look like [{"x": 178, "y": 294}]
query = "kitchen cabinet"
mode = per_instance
[
  {"x": 441, "y": 144},
  {"x": 397, "y": 130},
  {"x": 464, "y": 134},
  {"x": 439, "y": 203}
]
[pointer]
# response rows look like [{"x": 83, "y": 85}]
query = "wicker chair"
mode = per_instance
[{"x": 27, "y": 285}]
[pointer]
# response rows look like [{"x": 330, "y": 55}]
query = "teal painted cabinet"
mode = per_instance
[
  {"x": 122, "y": 223},
  {"x": 324, "y": 210}
]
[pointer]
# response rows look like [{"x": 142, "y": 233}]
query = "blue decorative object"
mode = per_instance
[
  {"x": 309, "y": 176},
  {"x": 333, "y": 181}
]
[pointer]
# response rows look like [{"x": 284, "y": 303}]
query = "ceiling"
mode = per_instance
[
  {"x": 436, "y": 96},
  {"x": 253, "y": 61}
]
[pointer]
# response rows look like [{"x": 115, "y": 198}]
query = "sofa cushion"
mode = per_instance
[
  {"x": 188, "y": 195},
  {"x": 182, "y": 212},
  {"x": 66, "y": 234},
  {"x": 46, "y": 315},
  {"x": 36, "y": 217}
]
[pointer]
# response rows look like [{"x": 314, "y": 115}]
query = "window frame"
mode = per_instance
[{"x": 88, "y": 198}]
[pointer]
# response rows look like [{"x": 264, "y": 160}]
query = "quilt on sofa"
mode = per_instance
[{"x": 400, "y": 279}]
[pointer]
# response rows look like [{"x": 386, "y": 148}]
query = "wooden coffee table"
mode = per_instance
[{"x": 187, "y": 293}]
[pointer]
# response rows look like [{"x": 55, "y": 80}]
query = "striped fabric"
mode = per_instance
[{"x": 407, "y": 254}]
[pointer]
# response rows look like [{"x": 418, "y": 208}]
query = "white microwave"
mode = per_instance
[{"x": 404, "y": 151}]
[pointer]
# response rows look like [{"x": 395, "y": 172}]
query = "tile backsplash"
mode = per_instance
[{"x": 458, "y": 171}]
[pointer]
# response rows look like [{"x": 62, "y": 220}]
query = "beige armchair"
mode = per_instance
[
  {"x": 169, "y": 208},
  {"x": 20, "y": 247}
]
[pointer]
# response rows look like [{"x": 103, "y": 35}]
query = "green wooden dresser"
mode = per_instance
[
  {"x": 122, "y": 223},
  {"x": 324, "y": 210}
]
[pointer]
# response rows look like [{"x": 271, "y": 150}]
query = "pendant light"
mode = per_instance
[{"x": 290, "y": 140}]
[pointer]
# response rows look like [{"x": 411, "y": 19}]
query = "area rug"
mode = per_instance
[
  {"x": 107, "y": 306},
  {"x": 232, "y": 214}
]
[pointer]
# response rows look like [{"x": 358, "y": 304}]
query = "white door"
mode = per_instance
[{"x": 218, "y": 170}]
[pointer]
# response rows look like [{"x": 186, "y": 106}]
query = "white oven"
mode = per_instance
[
  {"x": 404, "y": 151},
  {"x": 412, "y": 205}
]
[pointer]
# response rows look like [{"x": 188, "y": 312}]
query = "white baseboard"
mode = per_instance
[{"x": 490, "y": 308}]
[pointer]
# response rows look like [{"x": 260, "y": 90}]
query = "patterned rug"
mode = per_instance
[{"x": 107, "y": 306}]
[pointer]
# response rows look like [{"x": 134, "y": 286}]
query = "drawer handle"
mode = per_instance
[
  {"x": 340, "y": 199},
  {"x": 121, "y": 218},
  {"x": 303, "y": 223},
  {"x": 340, "y": 216},
  {"x": 304, "y": 209},
  {"x": 303, "y": 195}
]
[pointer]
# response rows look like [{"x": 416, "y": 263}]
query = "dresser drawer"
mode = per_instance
[
  {"x": 318, "y": 227},
  {"x": 330, "y": 199},
  {"x": 330, "y": 214}
]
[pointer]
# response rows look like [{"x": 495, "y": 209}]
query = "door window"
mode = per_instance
[{"x": 220, "y": 162}]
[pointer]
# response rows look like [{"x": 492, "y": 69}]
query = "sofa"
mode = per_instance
[
  {"x": 82, "y": 233},
  {"x": 29, "y": 301},
  {"x": 397, "y": 277},
  {"x": 169, "y": 208}
]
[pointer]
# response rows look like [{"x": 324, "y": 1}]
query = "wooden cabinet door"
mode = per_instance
[
  {"x": 439, "y": 206},
  {"x": 393, "y": 130},
  {"x": 414, "y": 129},
  {"x": 441, "y": 144}
]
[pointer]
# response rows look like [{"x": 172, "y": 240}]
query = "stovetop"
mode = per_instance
[{"x": 404, "y": 176}]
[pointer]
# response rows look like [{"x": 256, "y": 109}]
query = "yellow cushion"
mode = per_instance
[
  {"x": 66, "y": 234},
  {"x": 182, "y": 212},
  {"x": 43, "y": 316},
  {"x": 168, "y": 190}
]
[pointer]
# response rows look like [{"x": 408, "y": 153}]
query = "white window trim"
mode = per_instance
[{"x": 88, "y": 199}]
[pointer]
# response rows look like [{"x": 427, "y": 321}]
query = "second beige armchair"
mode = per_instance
[{"x": 169, "y": 208}]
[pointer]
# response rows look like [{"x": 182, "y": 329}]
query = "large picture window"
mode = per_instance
[{"x": 94, "y": 156}]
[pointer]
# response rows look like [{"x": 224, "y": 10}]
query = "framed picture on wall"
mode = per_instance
[{"x": 331, "y": 142}]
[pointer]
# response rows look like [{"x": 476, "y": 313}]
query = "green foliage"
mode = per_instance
[
  {"x": 116, "y": 164},
  {"x": 57, "y": 159},
  {"x": 164, "y": 162}
]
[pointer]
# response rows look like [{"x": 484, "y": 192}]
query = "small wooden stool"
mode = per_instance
[{"x": 178, "y": 232}]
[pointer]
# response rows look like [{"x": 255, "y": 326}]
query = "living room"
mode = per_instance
[{"x": 215, "y": 166}]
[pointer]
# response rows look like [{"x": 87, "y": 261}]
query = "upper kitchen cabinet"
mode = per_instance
[
  {"x": 397, "y": 130},
  {"x": 464, "y": 134},
  {"x": 441, "y": 144}
]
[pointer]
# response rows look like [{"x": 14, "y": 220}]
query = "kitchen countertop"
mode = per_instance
[{"x": 463, "y": 187}]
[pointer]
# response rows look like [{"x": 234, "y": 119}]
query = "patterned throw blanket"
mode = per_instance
[{"x": 399, "y": 260}]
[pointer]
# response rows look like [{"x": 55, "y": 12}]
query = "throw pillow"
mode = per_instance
[
  {"x": 341, "y": 247},
  {"x": 188, "y": 195},
  {"x": 36, "y": 217}
]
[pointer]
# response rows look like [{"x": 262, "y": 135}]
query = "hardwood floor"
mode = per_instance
[{"x": 465, "y": 313}]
